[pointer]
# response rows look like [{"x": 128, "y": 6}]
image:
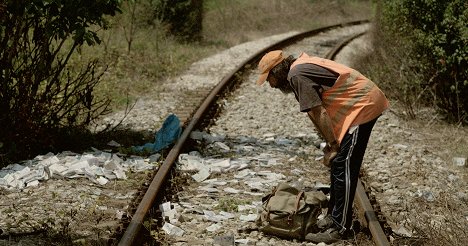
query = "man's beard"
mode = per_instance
[{"x": 284, "y": 86}]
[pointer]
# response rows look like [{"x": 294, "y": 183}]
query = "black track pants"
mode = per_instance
[{"x": 344, "y": 175}]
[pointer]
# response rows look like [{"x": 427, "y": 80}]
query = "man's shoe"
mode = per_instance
[
  {"x": 325, "y": 223},
  {"x": 331, "y": 235}
]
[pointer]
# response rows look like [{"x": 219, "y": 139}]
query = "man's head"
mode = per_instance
[
  {"x": 268, "y": 62},
  {"x": 274, "y": 68}
]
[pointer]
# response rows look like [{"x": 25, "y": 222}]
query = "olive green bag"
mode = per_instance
[{"x": 290, "y": 213}]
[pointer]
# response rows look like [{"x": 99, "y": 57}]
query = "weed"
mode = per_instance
[{"x": 230, "y": 204}]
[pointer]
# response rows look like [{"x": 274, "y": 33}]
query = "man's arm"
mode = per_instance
[{"x": 319, "y": 116}]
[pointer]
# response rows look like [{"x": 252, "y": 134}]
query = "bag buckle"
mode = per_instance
[{"x": 290, "y": 219}]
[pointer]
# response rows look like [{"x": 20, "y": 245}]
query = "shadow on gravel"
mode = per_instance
[{"x": 71, "y": 139}]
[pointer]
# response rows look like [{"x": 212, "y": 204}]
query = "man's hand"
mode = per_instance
[
  {"x": 319, "y": 116},
  {"x": 330, "y": 152}
]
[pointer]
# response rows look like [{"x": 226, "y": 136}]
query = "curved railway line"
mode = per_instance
[{"x": 200, "y": 112}]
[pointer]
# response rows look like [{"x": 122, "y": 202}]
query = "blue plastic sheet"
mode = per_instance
[{"x": 168, "y": 134}]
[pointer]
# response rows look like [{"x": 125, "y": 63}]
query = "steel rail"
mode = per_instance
[
  {"x": 334, "y": 52},
  {"x": 368, "y": 216},
  {"x": 132, "y": 234}
]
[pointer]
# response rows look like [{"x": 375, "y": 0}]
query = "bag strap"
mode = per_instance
[
  {"x": 298, "y": 201},
  {"x": 297, "y": 204},
  {"x": 266, "y": 198}
]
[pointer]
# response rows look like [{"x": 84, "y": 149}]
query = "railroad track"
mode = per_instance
[{"x": 199, "y": 112}]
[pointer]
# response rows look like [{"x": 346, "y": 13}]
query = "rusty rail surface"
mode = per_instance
[{"x": 132, "y": 235}]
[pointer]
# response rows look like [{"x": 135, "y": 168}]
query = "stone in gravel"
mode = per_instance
[
  {"x": 119, "y": 214},
  {"x": 113, "y": 143},
  {"x": 211, "y": 216},
  {"x": 241, "y": 208},
  {"x": 452, "y": 178},
  {"x": 271, "y": 176},
  {"x": 242, "y": 241},
  {"x": 32, "y": 183},
  {"x": 213, "y": 138},
  {"x": 102, "y": 180},
  {"x": 394, "y": 200},
  {"x": 427, "y": 195},
  {"x": 244, "y": 173},
  {"x": 257, "y": 185},
  {"x": 245, "y": 139},
  {"x": 248, "y": 218},
  {"x": 231, "y": 190},
  {"x": 214, "y": 227},
  {"x": 402, "y": 231},
  {"x": 227, "y": 215},
  {"x": 400, "y": 146},
  {"x": 319, "y": 185},
  {"x": 271, "y": 162},
  {"x": 154, "y": 157},
  {"x": 237, "y": 166},
  {"x": 462, "y": 196},
  {"x": 459, "y": 161},
  {"x": 197, "y": 135},
  {"x": 209, "y": 189},
  {"x": 222, "y": 146},
  {"x": 215, "y": 182},
  {"x": 283, "y": 141},
  {"x": 224, "y": 240},
  {"x": 253, "y": 193}
]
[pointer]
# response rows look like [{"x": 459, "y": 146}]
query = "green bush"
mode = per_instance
[
  {"x": 437, "y": 40},
  {"x": 40, "y": 95}
]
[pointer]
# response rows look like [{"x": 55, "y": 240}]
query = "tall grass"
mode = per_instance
[
  {"x": 230, "y": 22},
  {"x": 438, "y": 223}
]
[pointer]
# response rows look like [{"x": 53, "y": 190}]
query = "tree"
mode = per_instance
[
  {"x": 438, "y": 34},
  {"x": 40, "y": 95}
]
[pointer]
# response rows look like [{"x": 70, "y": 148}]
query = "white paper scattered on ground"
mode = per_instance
[
  {"x": 172, "y": 230},
  {"x": 98, "y": 166}
]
